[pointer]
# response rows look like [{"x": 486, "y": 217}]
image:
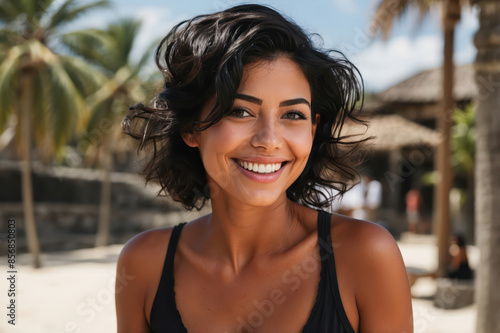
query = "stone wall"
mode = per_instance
[{"x": 67, "y": 206}]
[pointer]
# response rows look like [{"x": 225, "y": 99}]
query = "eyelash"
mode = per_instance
[{"x": 295, "y": 112}]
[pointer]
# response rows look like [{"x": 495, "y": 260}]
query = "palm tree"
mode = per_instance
[
  {"x": 39, "y": 87},
  {"x": 111, "y": 52},
  {"x": 385, "y": 14},
  {"x": 487, "y": 165}
]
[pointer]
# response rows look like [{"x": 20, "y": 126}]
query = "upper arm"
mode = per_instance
[
  {"x": 133, "y": 277},
  {"x": 382, "y": 293}
]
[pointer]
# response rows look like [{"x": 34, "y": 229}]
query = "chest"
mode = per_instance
[{"x": 276, "y": 296}]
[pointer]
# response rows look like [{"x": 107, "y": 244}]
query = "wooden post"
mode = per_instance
[{"x": 442, "y": 216}]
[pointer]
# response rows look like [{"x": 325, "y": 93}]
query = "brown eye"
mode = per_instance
[
  {"x": 295, "y": 115},
  {"x": 239, "y": 113}
]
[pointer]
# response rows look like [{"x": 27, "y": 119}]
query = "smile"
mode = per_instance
[
  {"x": 260, "y": 168},
  {"x": 261, "y": 175}
]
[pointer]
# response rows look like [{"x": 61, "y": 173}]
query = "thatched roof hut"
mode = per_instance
[
  {"x": 392, "y": 132},
  {"x": 418, "y": 97}
]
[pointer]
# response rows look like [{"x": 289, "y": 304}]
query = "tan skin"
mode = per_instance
[{"x": 256, "y": 241}]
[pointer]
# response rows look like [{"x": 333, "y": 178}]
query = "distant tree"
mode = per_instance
[
  {"x": 463, "y": 140},
  {"x": 110, "y": 50},
  {"x": 39, "y": 87},
  {"x": 385, "y": 14}
]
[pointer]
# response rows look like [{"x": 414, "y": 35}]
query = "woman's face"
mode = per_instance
[{"x": 268, "y": 130}]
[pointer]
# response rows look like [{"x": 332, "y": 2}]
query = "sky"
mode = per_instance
[{"x": 342, "y": 24}]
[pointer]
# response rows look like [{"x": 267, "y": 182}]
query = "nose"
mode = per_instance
[{"x": 266, "y": 134}]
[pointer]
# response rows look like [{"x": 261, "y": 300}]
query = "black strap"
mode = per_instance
[
  {"x": 328, "y": 265},
  {"x": 169, "y": 272},
  {"x": 172, "y": 246},
  {"x": 324, "y": 235}
]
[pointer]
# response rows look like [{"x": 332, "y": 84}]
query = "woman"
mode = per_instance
[
  {"x": 249, "y": 118},
  {"x": 458, "y": 263}
]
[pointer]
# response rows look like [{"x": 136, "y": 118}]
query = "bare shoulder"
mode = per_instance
[
  {"x": 377, "y": 273},
  {"x": 138, "y": 273},
  {"x": 363, "y": 237},
  {"x": 146, "y": 246}
]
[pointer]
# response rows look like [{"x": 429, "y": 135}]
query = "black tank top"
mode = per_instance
[{"x": 327, "y": 316}]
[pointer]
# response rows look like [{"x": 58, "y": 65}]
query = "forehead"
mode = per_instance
[
  {"x": 275, "y": 79},
  {"x": 271, "y": 81}
]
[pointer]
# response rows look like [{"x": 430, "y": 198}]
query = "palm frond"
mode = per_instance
[
  {"x": 85, "y": 77},
  {"x": 71, "y": 10},
  {"x": 40, "y": 7},
  {"x": 8, "y": 38},
  {"x": 30, "y": 11},
  {"x": 10, "y": 10},
  {"x": 387, "y": 11},
  {"x": 67, "y": 109},
  {"x": 124, "y": 33},
  {"x": 89, "y": 44},
  {"x": 107, "y": 90},
  {"x": 40, "y": 120},
  {"x": 8, "y": 70},
  {"x": 100, "y": 122}
]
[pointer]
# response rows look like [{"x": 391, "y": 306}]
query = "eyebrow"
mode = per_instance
[{"x": 288, "y": 102}]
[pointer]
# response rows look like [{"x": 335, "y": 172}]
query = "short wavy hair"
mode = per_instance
[{"x": 203, "y": 58}]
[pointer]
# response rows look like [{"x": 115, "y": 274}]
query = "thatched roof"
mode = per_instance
[
  {"x": 426, "y": 87},
  {"x": 392, "y": 132}
]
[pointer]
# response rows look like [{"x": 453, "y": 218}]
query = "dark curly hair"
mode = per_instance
[{"x": 203, "y": 58}]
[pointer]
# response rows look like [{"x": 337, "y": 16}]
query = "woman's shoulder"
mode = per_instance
[
  {"x": 371, "y": 264},
  {"x": 360, "y": 234},
  {"x": 145, "y": 253},
  {"x": 146, "y": 243},
  {"x": 366, "y": 245}
]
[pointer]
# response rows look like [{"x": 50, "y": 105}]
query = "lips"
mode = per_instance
[
  {"x": 260, "y": 167},
  {"x": 264, "y": 172}
]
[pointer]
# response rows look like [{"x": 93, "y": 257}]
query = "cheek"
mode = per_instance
[
  {"x": 300, "y": 142},
  {"x": 216, "y": 140}
]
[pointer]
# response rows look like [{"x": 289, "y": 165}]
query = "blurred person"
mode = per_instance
[
  {"x": 458, "y": 267},
  {"x": 413, "y": 205},
  {"x": 246, "y": 120},
  {"x": 364, "y": 199}
]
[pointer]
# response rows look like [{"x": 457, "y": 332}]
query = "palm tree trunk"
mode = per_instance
[
  {"x": 27, "y": 186},
  {"x": 487, "y": 165},
  {"x": 102, "y": 237},
  {"x": 442, "y": 221}
]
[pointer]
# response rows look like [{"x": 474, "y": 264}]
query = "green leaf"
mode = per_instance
[
  {"x": 70, "y": 10},
  {"x": 86, "y": 78},
  {"x": 89, "y": 44},
  {"x": 10, "y": 10},
  {"x": 8, "y": 83},
  {"x": 66, "y": 105}
]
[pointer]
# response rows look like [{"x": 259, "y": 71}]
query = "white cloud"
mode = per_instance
[{"x": 383, "y": 64}]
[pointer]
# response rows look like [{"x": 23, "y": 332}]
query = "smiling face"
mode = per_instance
[{"x": 254, "y": 154}]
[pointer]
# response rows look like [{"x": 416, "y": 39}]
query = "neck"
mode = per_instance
[{"x": 237, "y": 234}]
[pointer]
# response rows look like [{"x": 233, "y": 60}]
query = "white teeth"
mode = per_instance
[{"x": 260, "y": 168}]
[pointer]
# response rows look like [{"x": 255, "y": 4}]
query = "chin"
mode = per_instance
[{"x": 261, "y": 198}]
